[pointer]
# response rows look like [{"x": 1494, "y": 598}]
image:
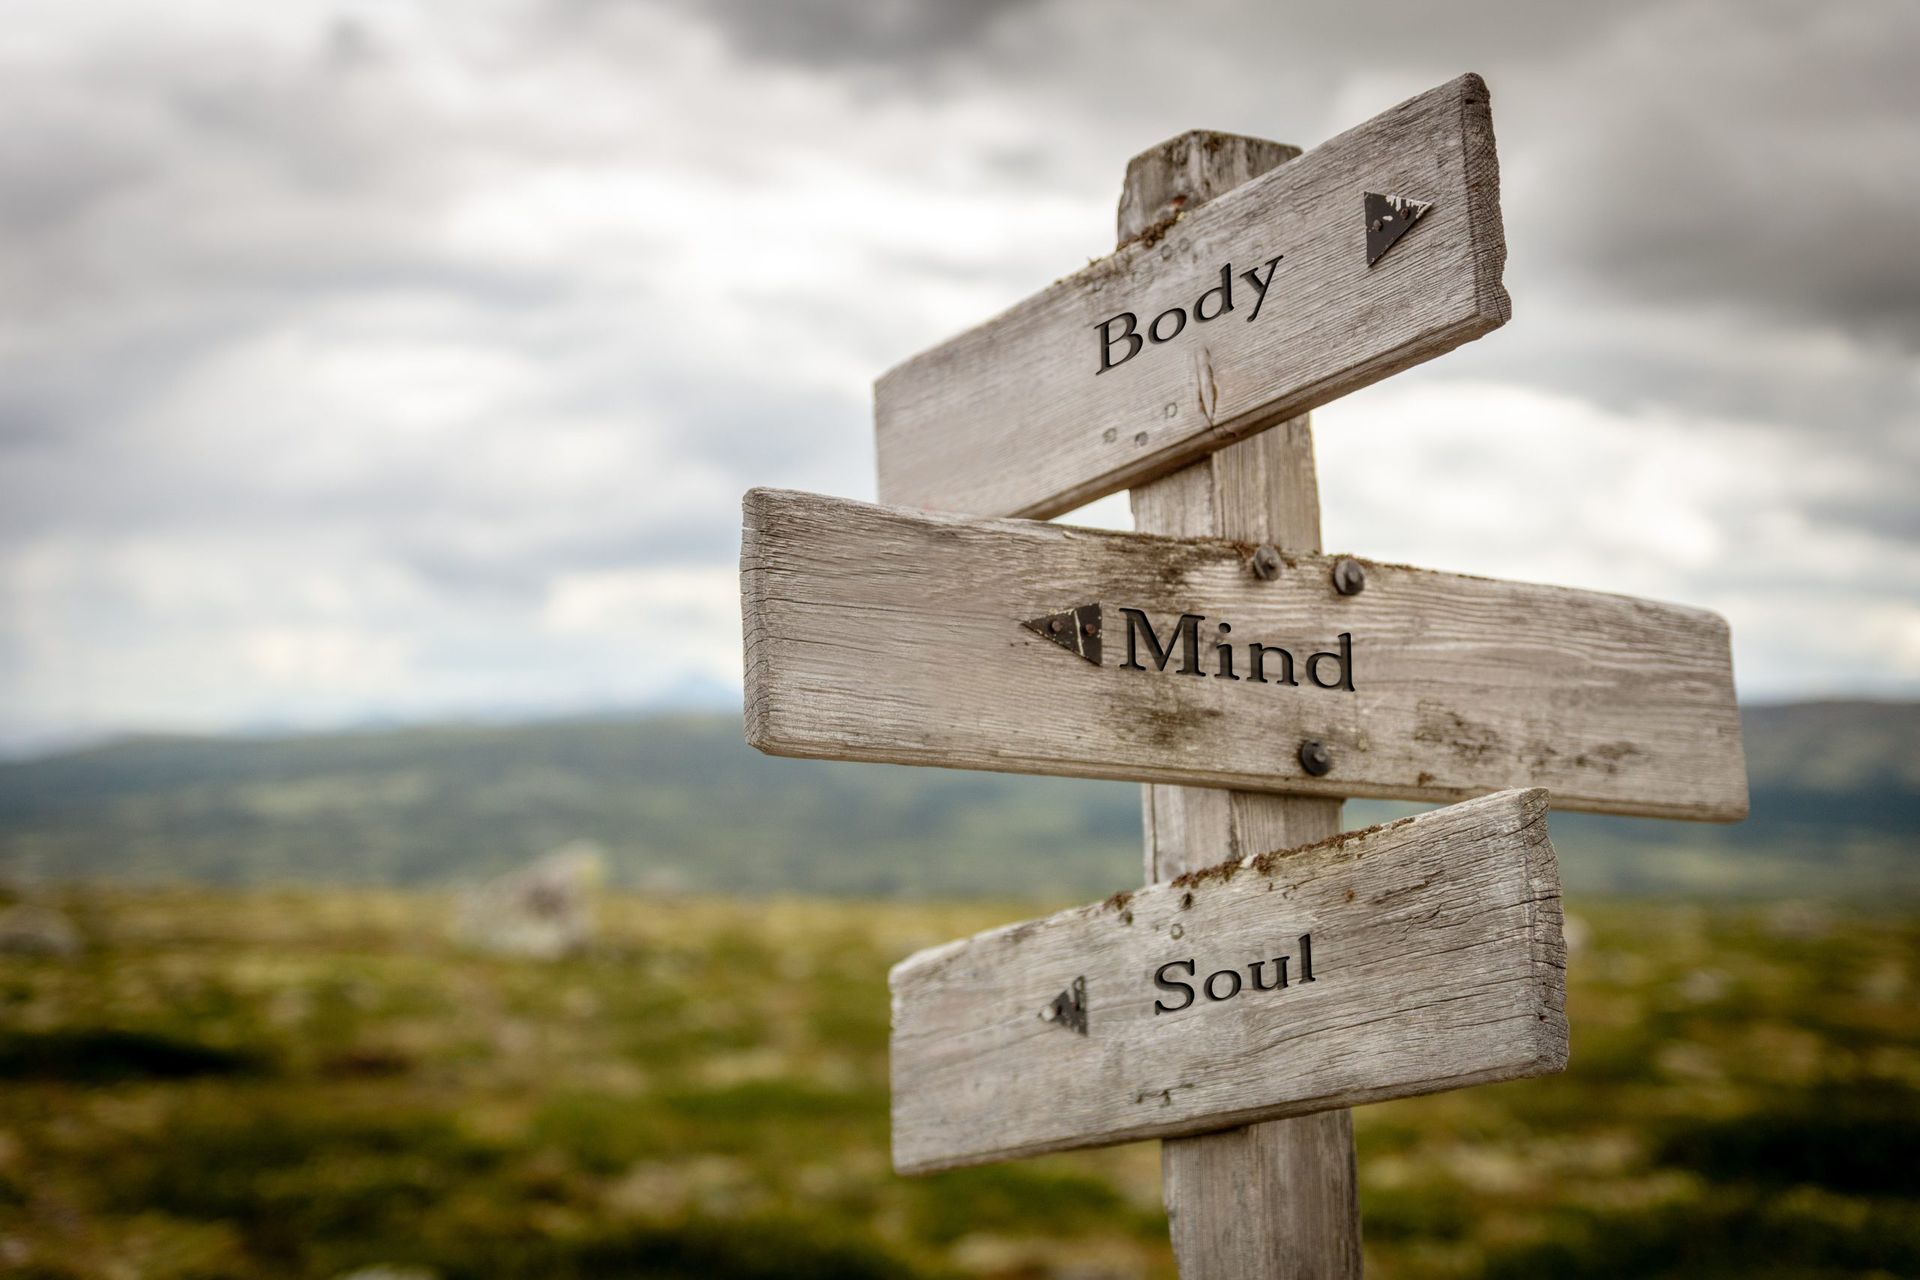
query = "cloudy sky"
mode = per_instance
[{"x": 389, "y": 361}]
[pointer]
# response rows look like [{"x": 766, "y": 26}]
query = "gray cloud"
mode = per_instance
[
  {"x": 831, "y": 34},
  {"x": 1702, "y": 153},
  {"x": 331, "y": 344},
  {"x": 1747, "y": 165}
]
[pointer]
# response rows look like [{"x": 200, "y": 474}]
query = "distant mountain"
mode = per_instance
[{"x": 679, "y": 801}]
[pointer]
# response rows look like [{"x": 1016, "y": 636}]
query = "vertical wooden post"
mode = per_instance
[{"x": 1279, "y": 1199}]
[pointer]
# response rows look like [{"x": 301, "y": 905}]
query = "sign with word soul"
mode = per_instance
[
  {"x": 1251, "y": 309},
  {"x": 874, "y": 633},
  {"x": 1422, "y": 955}
]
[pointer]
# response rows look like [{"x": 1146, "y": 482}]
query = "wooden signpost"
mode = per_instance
[
  {"x": 1213, "y": 323},
  {"x": 1273, "y": 973},
  {"x": 881, "y": 634},
  {"x": 1418, "y": 956}
]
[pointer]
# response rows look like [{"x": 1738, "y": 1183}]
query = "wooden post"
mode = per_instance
[{"x": 1279, "y": 1199}]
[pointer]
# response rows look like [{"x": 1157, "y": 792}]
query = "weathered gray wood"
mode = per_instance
[
  {"x": 879, "y": 634},
  {"x": 1279, "y": 1199},
  {"x": 1181, "y": 174},
  {"x": 1276, "y": 1200},
  {"x": 1425, "y": 954},
  {"x": 1259, "y": 490},
  {"x": 1015, "y": 417},
  {"x": 1187, "y": 826}
]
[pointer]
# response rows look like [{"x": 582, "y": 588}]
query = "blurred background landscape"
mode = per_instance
[
  {"x": 385, "y": 888},
  {"x": 681, "y": 803},
  {"x": 249, "y": 1026}
]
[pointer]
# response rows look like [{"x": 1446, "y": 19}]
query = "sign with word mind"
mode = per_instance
[
  {"x": 1374, "y": 252},
  {"x": 878, "y": 634},
  {"x": 1418, "y": 956}
]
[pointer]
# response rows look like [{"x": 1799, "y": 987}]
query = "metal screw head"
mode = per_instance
[
  {"x": 1315, "y": 758},
  {"x": 1349, "y": 579},
  {"x": 1266, "y": 562}
]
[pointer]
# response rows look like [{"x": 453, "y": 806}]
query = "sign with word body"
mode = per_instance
[
  {"x": 1422, "y": 955},
  {"x": 1378, "y": 250},
  {"x": 874, "y": 633}
]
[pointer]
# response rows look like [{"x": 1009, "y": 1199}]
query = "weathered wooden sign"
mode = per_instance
[
  {"x": 1251, "y": 284},
  {"x": 879, "y": 634},
  {"x": 1421, "y": 955},
  {"x": 1378, "y": 250}
]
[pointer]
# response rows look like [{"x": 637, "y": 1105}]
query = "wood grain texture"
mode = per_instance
[
  {"x": 1278, "y": 1199},
  {"x": 879, "y": 634},
  {"x": 1181, "y": 174},
  {"x": 1015, "y": 418},
  {"x": 1436, "y": 962},
  {"x": 1275, "y": 1201},
  {"x": 1262, "y": 489}
]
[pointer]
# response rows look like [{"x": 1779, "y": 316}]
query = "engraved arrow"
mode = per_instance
[{"x": 1069, "y": 1008}]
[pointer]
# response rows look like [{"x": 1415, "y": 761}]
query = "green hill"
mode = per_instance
[{"x": 682, "y": 802}]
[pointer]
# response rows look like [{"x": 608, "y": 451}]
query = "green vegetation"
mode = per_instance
[
  {"x": 297, "y": 1083},
  {"x": 683, "y": 803}
]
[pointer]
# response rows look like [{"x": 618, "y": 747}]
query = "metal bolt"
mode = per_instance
[
  {"x": 1349, "y": 579},
  {"x": 1266, "y": 562},
  {"x": 1315, "y": 758}
]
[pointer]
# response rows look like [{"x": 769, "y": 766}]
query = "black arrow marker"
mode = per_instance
[
  {"x": 1389, "y": 218},
  {"x": 1077, "y": 630}
]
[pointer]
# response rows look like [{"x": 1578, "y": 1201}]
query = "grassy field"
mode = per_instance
[{"x": 301, "y": 1083}]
